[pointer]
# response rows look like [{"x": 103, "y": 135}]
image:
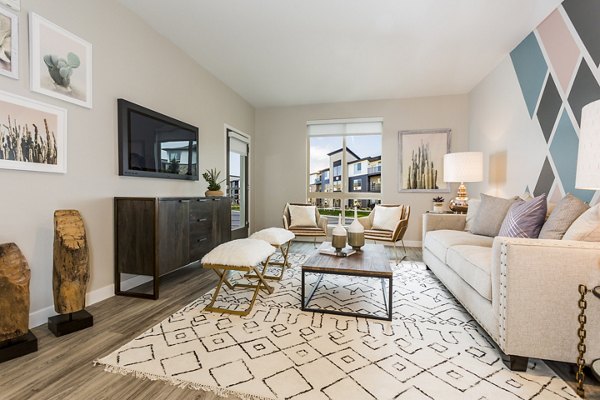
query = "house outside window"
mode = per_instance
[{"x": 344, "y": 165}]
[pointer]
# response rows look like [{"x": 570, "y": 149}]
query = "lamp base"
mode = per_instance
[
  {"x": 460, "y": 203},
  {"x": 458, "y": 206}
]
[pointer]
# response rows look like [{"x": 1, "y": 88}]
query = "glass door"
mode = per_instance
[{"x": 237, "y": 182}]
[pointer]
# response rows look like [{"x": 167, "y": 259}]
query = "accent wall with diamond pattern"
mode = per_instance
[{"x": 526, "y": 114}]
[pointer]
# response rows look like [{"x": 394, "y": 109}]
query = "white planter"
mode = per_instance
[{"x": 438, "y": 207}]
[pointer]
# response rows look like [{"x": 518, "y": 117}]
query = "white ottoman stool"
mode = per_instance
[
  {"x": 281, "y": 239},
  {"x": 238, "y": 255}
]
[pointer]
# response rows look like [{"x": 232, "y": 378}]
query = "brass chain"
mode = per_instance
[{"x": 580, "y": 375}]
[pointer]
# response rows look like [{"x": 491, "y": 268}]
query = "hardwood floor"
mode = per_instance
[{"x": 62, "y": 369}]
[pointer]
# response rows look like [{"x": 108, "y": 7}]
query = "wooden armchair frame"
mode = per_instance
[
  {"x": 388, "y": 236},
  {"x": 306, "y": 231}
]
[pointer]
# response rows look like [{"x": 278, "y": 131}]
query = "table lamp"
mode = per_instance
[
  {"x": 462, "y": 167},
  {"x": 588, "y": 177}
]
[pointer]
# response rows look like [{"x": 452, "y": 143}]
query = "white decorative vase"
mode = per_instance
[
  {"x": 339, "y": 235},
  {"x": 356, "y": 233},
  {"x": 438, "y": 207}
]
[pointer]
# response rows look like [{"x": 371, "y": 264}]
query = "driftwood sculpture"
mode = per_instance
[
  {"x": 14, "y": 292},
  {"x": 71, "y": 270},
  {"x": 15, "y": 337}
]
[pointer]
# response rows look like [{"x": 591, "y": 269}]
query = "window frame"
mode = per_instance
[{"x": 345, "y": 194}]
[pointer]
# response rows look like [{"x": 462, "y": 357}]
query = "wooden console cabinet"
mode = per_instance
[{"x": 155, "y": 236}]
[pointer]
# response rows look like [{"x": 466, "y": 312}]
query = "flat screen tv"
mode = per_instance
[{"x": 155, "y": 145}]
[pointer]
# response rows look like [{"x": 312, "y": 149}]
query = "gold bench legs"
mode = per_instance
[
  {"x": 222, "y": 271},
  {"x": 285, "y": 250}
]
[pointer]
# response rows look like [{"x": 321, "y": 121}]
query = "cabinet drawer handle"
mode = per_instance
[
  {"x": 201, "y": 240},
  {"x": 184, "y": 201},
  {"x": 202, "y": 219}
]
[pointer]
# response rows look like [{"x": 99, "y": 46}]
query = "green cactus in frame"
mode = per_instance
[{"x": 60, "y": 70}]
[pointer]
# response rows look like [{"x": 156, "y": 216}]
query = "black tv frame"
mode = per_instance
[{"x": 124, "y": 107}]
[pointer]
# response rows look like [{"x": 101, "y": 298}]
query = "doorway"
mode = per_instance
[{"x": 238, "y": 151}]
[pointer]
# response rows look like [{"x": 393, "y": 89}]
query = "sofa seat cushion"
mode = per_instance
[
  {"x": 438, "y": 242},
  {"x": 473, "y": 264}
]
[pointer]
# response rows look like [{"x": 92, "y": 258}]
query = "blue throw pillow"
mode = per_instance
[{"x": 525, "y": 219}]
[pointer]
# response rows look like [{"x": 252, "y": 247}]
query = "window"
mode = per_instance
[{"x": 339, "y": 152}]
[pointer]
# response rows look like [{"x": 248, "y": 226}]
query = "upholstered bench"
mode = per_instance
[
  {"x": 281, "y": 239},
  {"x": 238, "y": 255}
]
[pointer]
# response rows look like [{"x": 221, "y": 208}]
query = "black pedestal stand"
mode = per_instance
[
  {"x": 17, "y": 347},
  {"x": 68, "y": 323}
]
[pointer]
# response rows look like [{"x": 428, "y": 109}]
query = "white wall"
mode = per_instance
[
  {"x": 511, "y": 141},
  {"x": 131, "y": 61},
  {"x": 280, "y": 149}
]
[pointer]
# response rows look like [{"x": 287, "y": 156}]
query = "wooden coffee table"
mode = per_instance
[{"x": 371, "y": 262}]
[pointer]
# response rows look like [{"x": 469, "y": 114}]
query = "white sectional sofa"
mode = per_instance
[{"x": 523, "y": 292}]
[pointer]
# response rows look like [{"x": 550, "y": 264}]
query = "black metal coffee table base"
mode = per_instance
[{"x": 387, "y": 297}]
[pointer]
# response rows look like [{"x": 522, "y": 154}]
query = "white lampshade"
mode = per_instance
[
  {"x": 463, "y": 167},
  {"x": 588, "y": 157}
]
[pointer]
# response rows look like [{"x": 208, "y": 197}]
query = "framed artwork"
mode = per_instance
[
  {"x": 60, "y": 62},
  {"x": 9, "y": 44},
  {"x": 422, "y": 160},
  {"x": 33, "y": 135}
]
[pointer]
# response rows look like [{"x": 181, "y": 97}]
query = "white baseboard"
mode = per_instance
[{"x": 40, "y": 317}]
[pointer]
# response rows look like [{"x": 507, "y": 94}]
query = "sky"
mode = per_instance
[{"x": 362, "y": 146}]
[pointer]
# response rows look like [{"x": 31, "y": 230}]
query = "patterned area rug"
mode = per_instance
[{"x": 432, "y": 349}]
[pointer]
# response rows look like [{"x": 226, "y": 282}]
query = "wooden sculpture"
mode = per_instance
[
  {"x": 15, "y": 338},
  {"x": 71, "y": 273}
]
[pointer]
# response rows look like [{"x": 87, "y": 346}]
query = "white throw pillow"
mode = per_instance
[
  {"x": 386, "y": 218},
  {"x": 586, "y": 227},
  {"x": 302, "y": 216},
  {"x": 472, "y": 212}
]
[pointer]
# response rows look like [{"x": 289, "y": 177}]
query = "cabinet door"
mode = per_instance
[
  {"x": 134, "y": 236},
  {"x": 174, "y": 233},
  {"x": 222, "y": 220}
]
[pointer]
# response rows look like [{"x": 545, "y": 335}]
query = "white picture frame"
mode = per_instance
[
  {"x": 20, "y": 148},
  {"x": 424, "y": 151},
  {"x": 9, "y": 44},
  {"x": 60, "y": 62},
  {"x": 14, "y": 4}
]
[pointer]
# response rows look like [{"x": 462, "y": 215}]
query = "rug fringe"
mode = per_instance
[{"x": 179, "y": 383}]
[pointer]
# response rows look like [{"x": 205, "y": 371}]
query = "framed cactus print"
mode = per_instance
[
  {"x": 60, "y": 62},
  {"x": 9, "y": 44},
  {"x": 421, "y": 160},
  {"x": 33, "y": 135}
]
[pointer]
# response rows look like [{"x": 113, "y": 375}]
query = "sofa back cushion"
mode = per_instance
[
  {"x": 472, "y": 212},
  {"x": 490, "y": 216},
  {"x": 564, "y": 214},
  {"x": 525, "y": 218},
  {"x": 586, "y": 227}
]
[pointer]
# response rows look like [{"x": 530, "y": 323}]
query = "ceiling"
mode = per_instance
[{"x": 290, "y": 52}]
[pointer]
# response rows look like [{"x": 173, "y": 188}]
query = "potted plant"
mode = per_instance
[
  {"x": 211, "y": 176},
  {"x": 438, "y": 204}
]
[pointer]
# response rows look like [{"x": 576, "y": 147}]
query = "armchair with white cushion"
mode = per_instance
[
  {"x": 304, "y": 220},
  {"x": 387, "y": 223}
]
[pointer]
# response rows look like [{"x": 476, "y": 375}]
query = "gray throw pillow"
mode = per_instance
[
  {"x": 491, "y": 214},
  {"x": 564, "y": 214}
]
